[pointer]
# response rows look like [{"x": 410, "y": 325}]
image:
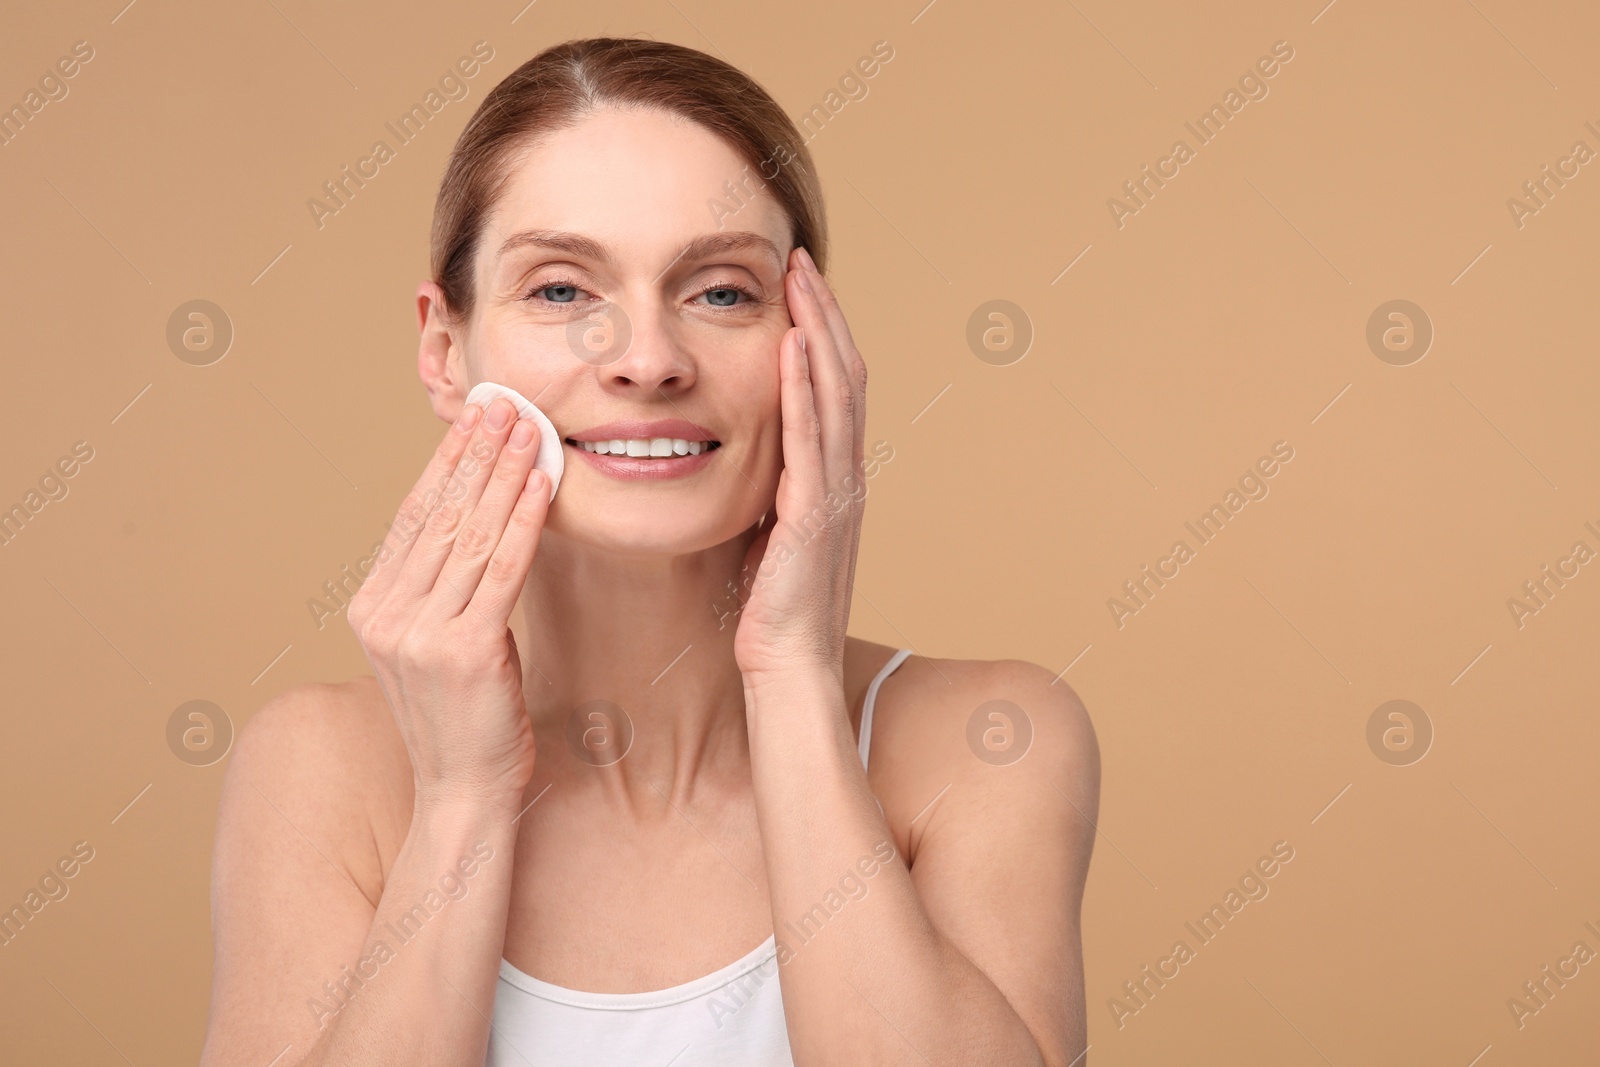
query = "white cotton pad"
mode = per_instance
[{"x": 550, "y": 459}]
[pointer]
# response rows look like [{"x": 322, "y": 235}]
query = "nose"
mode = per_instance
[{"x": 652, "y": 357}]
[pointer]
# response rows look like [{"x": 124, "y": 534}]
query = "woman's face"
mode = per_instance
[{"x": 610, "y": 291}]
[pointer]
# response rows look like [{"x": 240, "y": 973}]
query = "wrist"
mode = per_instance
[
  {"x": 457, "y": 807},
  {"x": 797, "y": 684}
]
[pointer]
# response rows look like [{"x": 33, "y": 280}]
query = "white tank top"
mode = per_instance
[{"x": 732, "y": 1016}]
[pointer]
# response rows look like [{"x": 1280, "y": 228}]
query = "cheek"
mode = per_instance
[
  {"x": 767, "y": 412},
  {"x": 741, "y": 382},
  {"x": 510, "y": 344},
  {"x": 760, "y": 386},
  {"x": 528, "y": 357}
]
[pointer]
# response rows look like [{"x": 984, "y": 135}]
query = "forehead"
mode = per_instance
[{"x": 640, "y": 181}]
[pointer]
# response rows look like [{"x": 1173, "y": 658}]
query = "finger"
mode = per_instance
[
  {"x": 459, "y": 496},
  {"x": 507, "y": 569},
  {"x": 856, "y": 372},
  {"x": 833, "y": 311},
  {"x": 802, "y": 432},
  {"x": 849, "y": 355},
  {"x": 419, "y": 502},
  {"x": 834, "y": 393},
  {"x": 479, "y": 536}
]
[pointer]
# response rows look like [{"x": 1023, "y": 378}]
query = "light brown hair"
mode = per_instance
[{"x": 557, "y": 87}]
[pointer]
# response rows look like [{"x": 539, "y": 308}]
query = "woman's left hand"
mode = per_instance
[{"x": 804, "y": 554}]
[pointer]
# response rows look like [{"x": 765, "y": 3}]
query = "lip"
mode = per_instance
[
  {"x": 636, "y": 428},
  {"x": 639, "y": 468}
]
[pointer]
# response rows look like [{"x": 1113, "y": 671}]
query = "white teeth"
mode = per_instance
[{"x": 639, "y": 446}]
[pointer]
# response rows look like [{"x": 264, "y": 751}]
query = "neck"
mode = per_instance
[{"x": 651, "y": 636}]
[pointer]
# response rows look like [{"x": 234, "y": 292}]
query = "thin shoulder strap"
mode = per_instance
[{"x": 872, "y": 696}]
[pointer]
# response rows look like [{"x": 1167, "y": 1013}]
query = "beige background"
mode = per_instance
[{"x": 1228, "y": 314}]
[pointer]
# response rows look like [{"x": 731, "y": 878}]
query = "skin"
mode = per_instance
[{"x": 742, "y": 799}]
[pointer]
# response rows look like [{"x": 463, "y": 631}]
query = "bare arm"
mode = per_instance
[
  {"x": 433, "y": 949},
  {"x": 975, "y": 955},
  {"x": 320, "y": 957}
]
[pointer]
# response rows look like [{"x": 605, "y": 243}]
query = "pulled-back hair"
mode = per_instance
[{"x": 556, "y": 88}]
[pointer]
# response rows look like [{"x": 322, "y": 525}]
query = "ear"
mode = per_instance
[{"x": 440, "y": 360}]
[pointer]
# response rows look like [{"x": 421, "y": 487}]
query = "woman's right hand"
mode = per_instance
[{"x": 432, "y": 615}]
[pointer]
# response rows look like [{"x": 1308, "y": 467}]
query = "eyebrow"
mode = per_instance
[
  {"x": 701, "y": 247},
  {"x": 572, "y": 243}
]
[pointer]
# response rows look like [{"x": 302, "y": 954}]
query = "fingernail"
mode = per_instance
[
  {"x": 810, "y": 264},
  {"x": 805, "y": 282},
  {"x": 801, "y": 338},
  {"x": 468, "y": 417},
  {"x": 499, "y": 414},
  {"x": 522, "y": 434}
]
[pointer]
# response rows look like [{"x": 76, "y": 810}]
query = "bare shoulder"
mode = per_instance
[
  {"x": 984, "y": 736},
  {"x": 327, "y": 759}
]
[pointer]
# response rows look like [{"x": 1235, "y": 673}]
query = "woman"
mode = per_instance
[{"x": 607, "y": 798}]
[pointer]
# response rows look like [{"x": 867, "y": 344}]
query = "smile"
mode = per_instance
[
  {"x": 645, "y": 458},
  {"x": 641, "y": 447}
]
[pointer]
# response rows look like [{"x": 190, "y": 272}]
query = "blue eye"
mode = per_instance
[
  {"x": 718, "y": 296},
  {"x": 727, "y": 294}
]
